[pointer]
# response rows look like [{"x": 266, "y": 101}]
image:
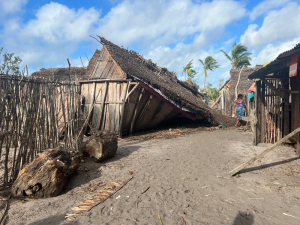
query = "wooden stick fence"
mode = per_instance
[{"x": 35, "y": 115}]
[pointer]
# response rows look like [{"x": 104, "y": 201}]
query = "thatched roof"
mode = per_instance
[
  {"x": 244, "y": 83},
  {"x": 159, "y": 78},
  {"x": 61, "y": 74}
]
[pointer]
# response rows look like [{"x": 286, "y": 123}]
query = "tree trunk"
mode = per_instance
[
  {"x": 205, "y": 75},
  {"x": 101, "y": 146},
  {"x": 46, "y": 175}
]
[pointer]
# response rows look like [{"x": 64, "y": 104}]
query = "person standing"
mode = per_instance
[{"x": 239, "y": 109}]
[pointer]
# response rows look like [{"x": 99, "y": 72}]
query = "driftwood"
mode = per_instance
[
  {"x": 46, "y": 175},
  {"x": 236, "y": 170},
  {"x": 101, "y": 146}
]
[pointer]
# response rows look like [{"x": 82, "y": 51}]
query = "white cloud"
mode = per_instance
[
  {"x": 11, "y": 6},
  {"x": 271, "y": 51},
  {"x": 160, "y": 22},
  {"x": 278, "y": 26},
  {"x": 266, "y": 6},
  {"x": 52, "y": 36}
]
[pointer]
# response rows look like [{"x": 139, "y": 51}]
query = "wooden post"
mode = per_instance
[
  {"x": 258, "y": 112},
  {"x": 102, "y": 105},
  {"x": 135, "y": 111},
  {"x": 297, "y": 111},
  {"x": 286, "y": 112},
  {"x": 263, "y": 113},
  {"x": 123, "y": 109}
]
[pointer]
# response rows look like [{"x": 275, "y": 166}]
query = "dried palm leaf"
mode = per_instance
[{"x": 96, "y": 199}]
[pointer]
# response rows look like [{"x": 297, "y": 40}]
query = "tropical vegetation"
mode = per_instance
[
  {"x": 187, "y": 67},
  {"x": 239, "y": 56},
  {"x": 209, "y": 64},
  {"x": 10, "y": 63}
]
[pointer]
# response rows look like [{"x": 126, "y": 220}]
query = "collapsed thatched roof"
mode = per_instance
[
  {"x": 182, "y": 94},
  {"x": 61, "y": 74}
]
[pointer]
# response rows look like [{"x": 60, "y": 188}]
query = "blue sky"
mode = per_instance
[{"x": 170, "y": 32}]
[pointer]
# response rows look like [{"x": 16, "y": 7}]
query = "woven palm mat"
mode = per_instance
[{"x": 88, "y": 203}]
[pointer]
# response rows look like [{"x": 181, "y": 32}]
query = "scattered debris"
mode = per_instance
[
  {"x": 100, "y": 213},
  {"x": 160, "y": 219},
  {"x": 290, "y": 216},
  {"x": 96, "y": 199},
  {"x": 145, "y": 190},
  {"x": 183, "y": 221}
]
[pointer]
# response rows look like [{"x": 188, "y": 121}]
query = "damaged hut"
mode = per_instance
[
  {"x": 237, "y": 84},
  {"x": 278, "y": 98},
  {"x": 126, "y": 93}
]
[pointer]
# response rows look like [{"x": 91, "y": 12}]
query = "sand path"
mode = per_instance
[{"x": 188, "y": 179}]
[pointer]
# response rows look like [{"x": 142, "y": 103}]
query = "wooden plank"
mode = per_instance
[
  {"x": 161, "y": 115},
  {"x": 149, "y": 114},
  {"x": 135, "y": 111},
  {"x": 271, "y": 86},
  {"x": 97, "y": 64},
  {"x": 263, "y": 113},
  {"x": 97, "y": 106},
  {"x": 104, "y": 80},
  {"x": 107, "y": 69},
  {"x": 101, "y": 112},
  {"x": 167, "y": 101},
  {"x": 124, "y": 95},
  {"x": 258, "y": 102},
  {"x": 133, "y": 89},
  {"x": 173, "y": 113},
  {"x": 117, "y": 110},
  {"x": 101, "y": 63},
  {"x": 143, "y": 111},
  {"x": 129, "y": 109},
  {"x": 239, "y": 168},
  {"x": 295, "y": 86}
]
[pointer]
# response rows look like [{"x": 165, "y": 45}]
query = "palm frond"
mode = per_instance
[
  {"x": 201, "y": 61},
  {"x": 228, "y": 57}
]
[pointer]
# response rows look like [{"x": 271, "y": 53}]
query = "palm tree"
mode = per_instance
[
  {"x": 187, "y": 67},
  {"x": 209, "y": 64},
  {"x": 239, "y": 56},
  {"x": 191, "y": 74}
]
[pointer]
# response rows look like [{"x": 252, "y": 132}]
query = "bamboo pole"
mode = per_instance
[{"x": 239, "y": 168}]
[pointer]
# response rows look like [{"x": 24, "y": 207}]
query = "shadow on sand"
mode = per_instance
[
  {"x": 53, "y": 220},
  {"x": 268, "y": 165},
  {"x": 243, "y": 218},
  {"x": 90, "y": 170}
]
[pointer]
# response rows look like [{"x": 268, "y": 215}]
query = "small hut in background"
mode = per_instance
[
  {"x": 126, "y": 93},
  {"x": 278, "y": 98},
  {"x": 61, "y": 74},
  {"x": 237, "y": 84}
]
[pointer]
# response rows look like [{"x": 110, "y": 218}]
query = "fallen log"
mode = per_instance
[
  {"x": 101, "y": 146},
  {"x": 239, "y": 168},
  {"x": 47, "y": 174}
]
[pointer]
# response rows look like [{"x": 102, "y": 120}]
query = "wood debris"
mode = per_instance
[{"x": 96, "y": 199}]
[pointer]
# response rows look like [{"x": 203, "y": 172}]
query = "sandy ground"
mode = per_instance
[{"x": 188, "y": 178}]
